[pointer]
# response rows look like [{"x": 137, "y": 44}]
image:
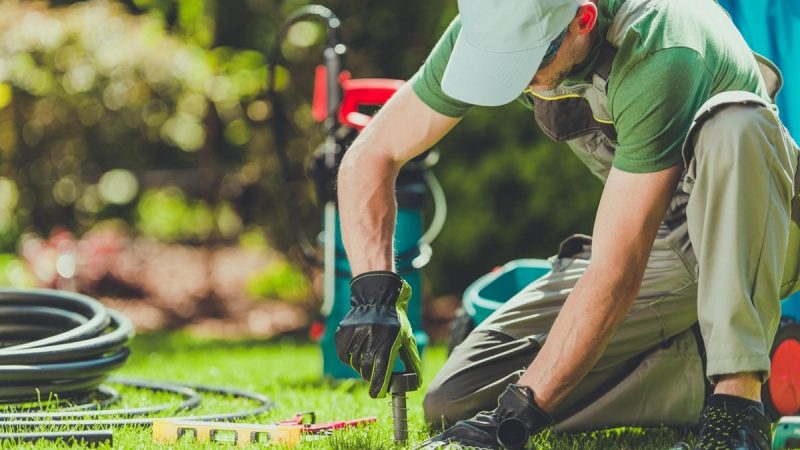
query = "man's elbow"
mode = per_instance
[
  {"x": 349, "y": 161},
  {"x": 360, "y": 158},
  {"x": 622, "y": 279}
]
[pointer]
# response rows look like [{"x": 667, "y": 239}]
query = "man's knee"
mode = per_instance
[
  {"x": 436, "y": 406},
  {"x": 447, "y": 401}
]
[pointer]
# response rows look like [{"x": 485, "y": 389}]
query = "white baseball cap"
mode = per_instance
[{"x": 501, "y": 45}]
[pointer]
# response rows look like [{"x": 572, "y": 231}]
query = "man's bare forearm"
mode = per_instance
[
  {"x": 579, "y": 335},
  {"x": 403, "y": 129},
  {"x": 367, "y": 209}
]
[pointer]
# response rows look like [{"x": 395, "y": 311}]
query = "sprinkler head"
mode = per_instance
[{"x": 403, "y": 382}]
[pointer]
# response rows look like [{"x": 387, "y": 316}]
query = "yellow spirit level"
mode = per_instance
[{"x": 240, "y": 434}]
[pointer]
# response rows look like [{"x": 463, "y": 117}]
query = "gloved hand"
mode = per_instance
[
  {"x": 376, "y": 330},
  {"x": 516, "y": 418}
]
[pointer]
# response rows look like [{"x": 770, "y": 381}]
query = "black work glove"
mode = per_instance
[
  {"x": 509, "y": 426},
  {"x": 376, "y": 330}
]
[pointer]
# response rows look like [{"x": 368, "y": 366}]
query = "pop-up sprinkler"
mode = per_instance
[{"x": 401, "y": 383}]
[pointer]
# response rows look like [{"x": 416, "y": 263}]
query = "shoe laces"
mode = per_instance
[
  {"x": 717, "y": 429},
  {"x": 722, "y": 430}
]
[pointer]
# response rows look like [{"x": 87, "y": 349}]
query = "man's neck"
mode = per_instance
[{"x": 583, "y": 70}]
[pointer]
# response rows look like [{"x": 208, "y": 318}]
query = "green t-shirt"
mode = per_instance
[{"x": 668, "y": 64}]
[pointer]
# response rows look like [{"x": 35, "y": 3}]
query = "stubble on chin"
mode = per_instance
[{"x": 551, "y": 82}]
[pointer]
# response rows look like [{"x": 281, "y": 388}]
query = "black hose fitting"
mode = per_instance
[{"x": 512, "y": 434}]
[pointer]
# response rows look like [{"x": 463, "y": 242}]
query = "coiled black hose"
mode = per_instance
[
  {"x": 57, "y": 342},
  {"x": 66, "y": 344}
]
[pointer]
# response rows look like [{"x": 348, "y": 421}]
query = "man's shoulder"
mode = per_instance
[
  {"x": 676, "y": 31},
  {"x": 655, "y": 25}
]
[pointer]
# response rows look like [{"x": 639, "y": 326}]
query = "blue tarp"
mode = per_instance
[{"x": 772, "y": 28}]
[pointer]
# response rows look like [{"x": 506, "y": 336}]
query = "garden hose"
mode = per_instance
[
  {"x": 57, "y": 342},
  {"x": 58, "y": 347},
  {"x": 139, "y": 416}
]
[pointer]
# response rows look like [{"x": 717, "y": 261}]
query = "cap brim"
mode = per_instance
[{"x": 480, "y": 77}]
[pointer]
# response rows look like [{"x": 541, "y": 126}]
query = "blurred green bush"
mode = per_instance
[
  {"x": 280, "y": 281},
  {"x": 101, "y": 110},
  {"x": 13, "y": 272},
  {"x": 167, "y": 214},
  {"x": 153, "y": 111}
]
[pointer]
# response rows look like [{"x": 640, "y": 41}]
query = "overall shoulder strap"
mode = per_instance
[{"x": 771, "y": 74}]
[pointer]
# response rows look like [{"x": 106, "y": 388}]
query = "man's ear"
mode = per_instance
[{"x": 585, "y": 18}]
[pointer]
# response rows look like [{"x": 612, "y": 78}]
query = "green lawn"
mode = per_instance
[{"x": 289, "y": 372}]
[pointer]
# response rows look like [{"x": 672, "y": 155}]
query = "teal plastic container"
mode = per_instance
[
  {"x": 490, "y": 291},
  {"x": 407, "y": 234},
  {"x": 790, "y": 307}
]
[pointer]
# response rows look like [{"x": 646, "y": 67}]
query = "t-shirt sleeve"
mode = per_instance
[
  {"x": 427, "y": 82},
  {"x": 653, "y": 106}
]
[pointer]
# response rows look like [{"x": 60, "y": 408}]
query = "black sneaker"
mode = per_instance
[{"x": 728, "y": 428}]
